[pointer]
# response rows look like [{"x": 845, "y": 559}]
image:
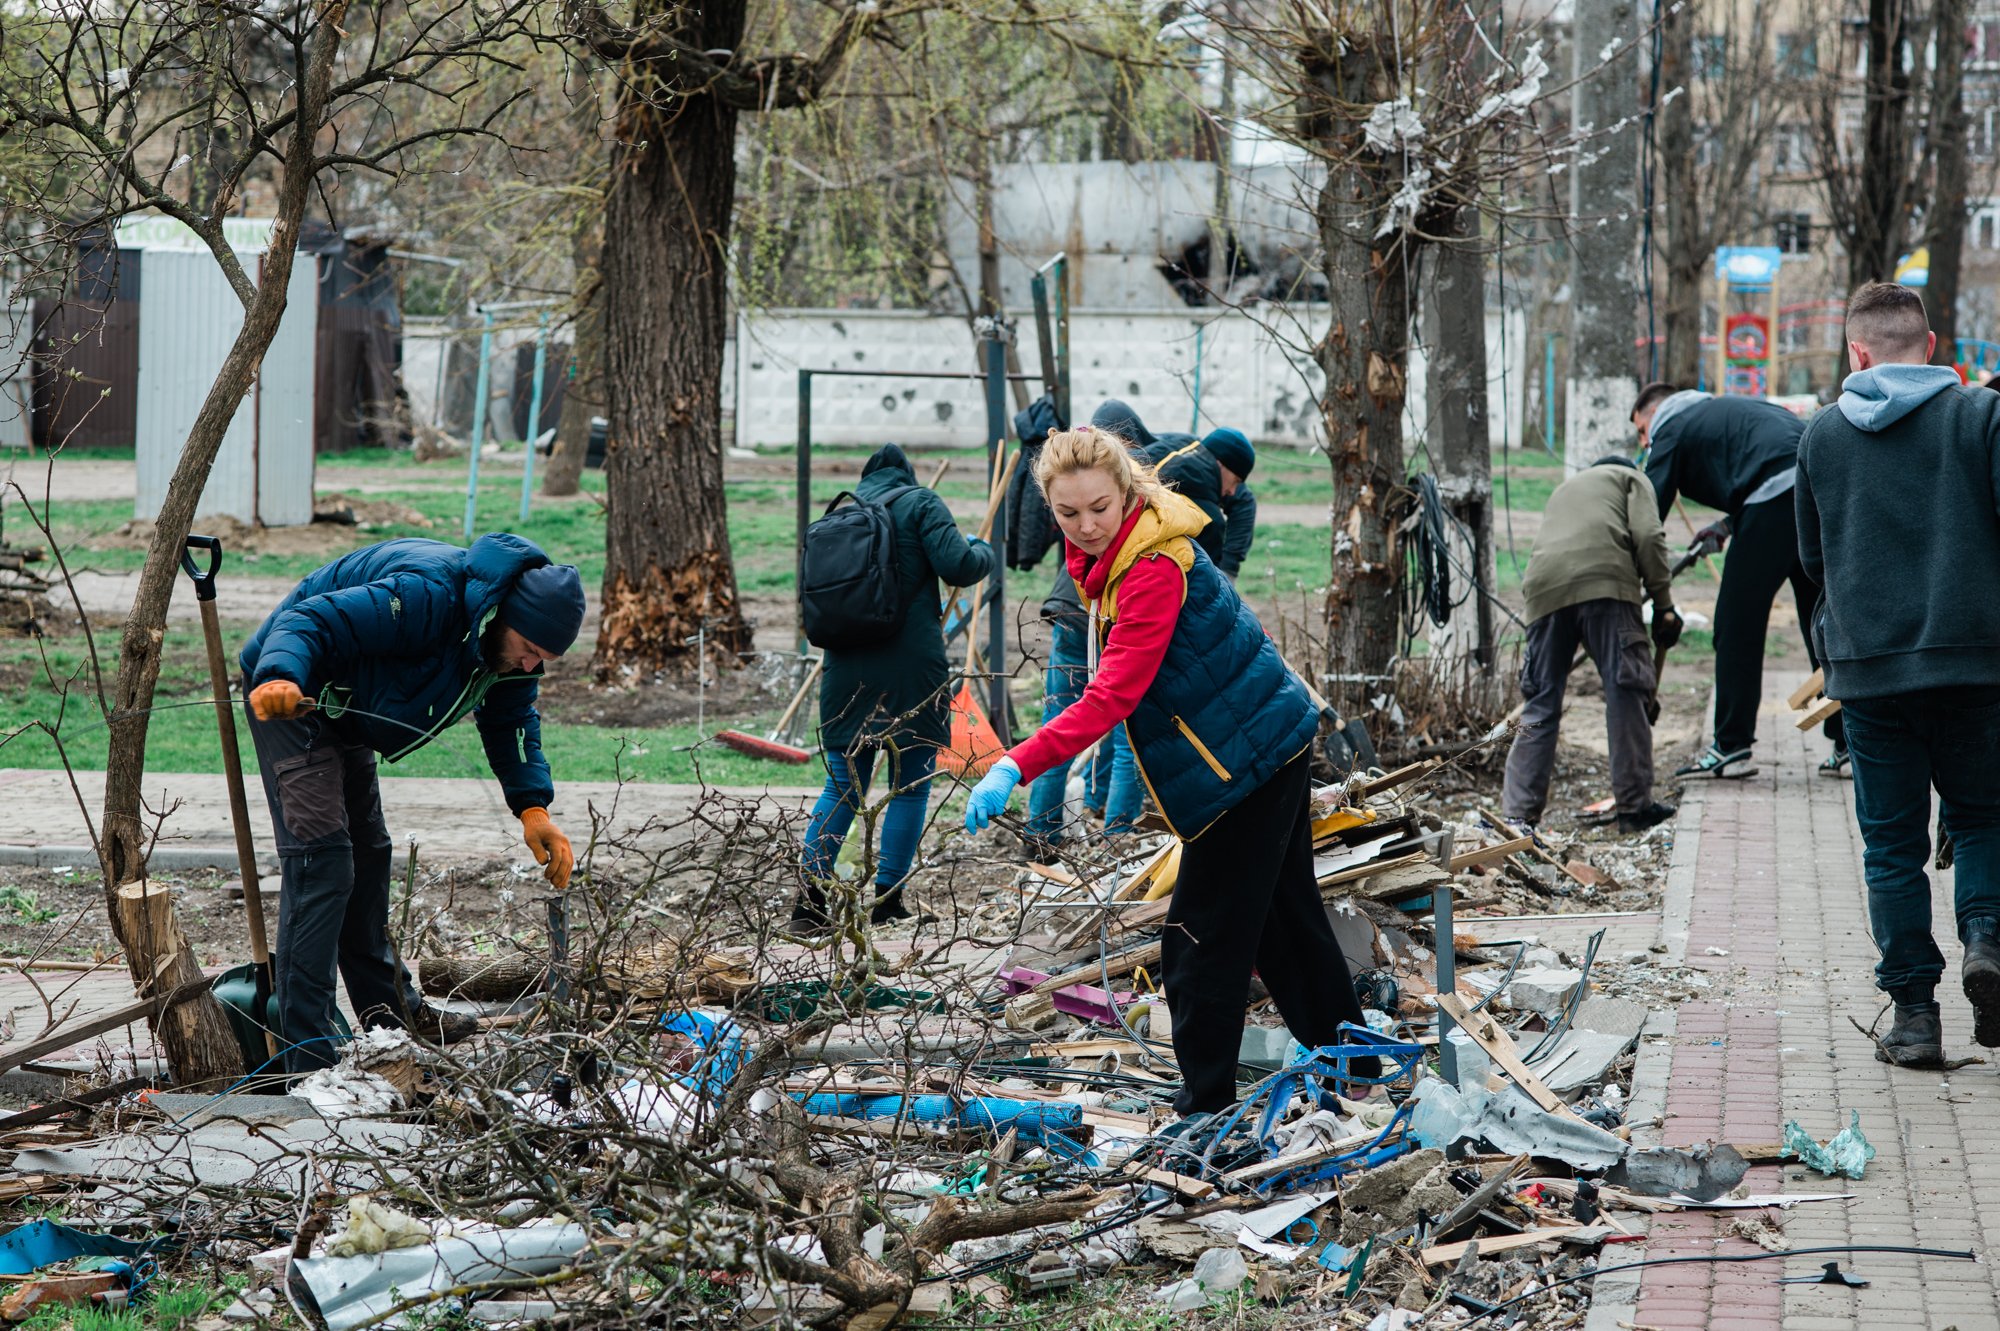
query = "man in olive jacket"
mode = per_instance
[{"x": 1601, "y": 548}]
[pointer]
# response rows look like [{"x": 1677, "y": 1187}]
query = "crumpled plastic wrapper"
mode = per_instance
[
  {"x": 373, "y": 1227},
  {"x": 1848, "y": 1153}
]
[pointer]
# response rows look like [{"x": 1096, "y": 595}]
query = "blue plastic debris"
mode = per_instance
[
  {"x": 1847, "y": 1153},
  {"x": 1335, "y": 1258},
  {"x": 41, "y": 1243},
  {"x": 719, "y": 1043},
  {"x": 1052, "y": 1124}
]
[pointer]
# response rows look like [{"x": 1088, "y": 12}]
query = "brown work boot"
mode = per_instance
[
  {"x": 439, "y": 1026},
  {"x": 1915, "y": 1040}
]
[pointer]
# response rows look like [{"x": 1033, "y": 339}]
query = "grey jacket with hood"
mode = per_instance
[{"x": 1898, "y": 501}]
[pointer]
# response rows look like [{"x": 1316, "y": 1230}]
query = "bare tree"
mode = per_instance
[
  {"x": 1944, "y": 217},
  {"x": 104, "y": 94}
]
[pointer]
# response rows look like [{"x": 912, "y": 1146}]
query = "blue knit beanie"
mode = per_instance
[
  {"x": 546, "y": 607},
  {"x": 1232, "y": 450}
]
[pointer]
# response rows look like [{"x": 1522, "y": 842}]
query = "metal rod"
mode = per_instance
[
  {"x": 996, "y": 334},
  {"x": 975, "y": 376},
  {"x": 1045, "y": 336},
  {"x": 1444, "y": 939},
  {"x": 534, "y": 414},
  {"x": 478, "y": 422},
  {"x": 803, "y": 482}
]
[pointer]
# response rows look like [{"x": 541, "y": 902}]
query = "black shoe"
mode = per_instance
[
  {"x": 1651, "y": 816},
  {"x": 1915, "y": 1040},
  {"x": 1980, "y": 974},
  {"x": 890, "y": 907},
  {"x": 440, "y": 1026},
  {"x": 809, "y": 911}
]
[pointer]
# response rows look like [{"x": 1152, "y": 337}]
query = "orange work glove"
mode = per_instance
[
  {"x": 278, "y": 700},
  {"x": 550, "y": 846}
]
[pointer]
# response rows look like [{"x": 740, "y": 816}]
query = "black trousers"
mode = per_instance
[
  {"x": 1247, "y": 896},
  {"x": 335, "y": 853},
  {"x": 1763, "y": 556}
]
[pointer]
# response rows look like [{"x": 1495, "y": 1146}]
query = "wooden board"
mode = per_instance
[
  {"x": 1176, "y": 1183},
  {"x": 1814, "y": 686},
  {"x": 1401, "y": 776},
  {"x": 1451, "y": 1253},
  {"x": 1485, "y": 1032},
  {"x": 1815, "y": 714},
  {"x": 1124, "y": 963},
  {"x": 1371, "y": 868},
  {"x": 1489, "y": 854}
]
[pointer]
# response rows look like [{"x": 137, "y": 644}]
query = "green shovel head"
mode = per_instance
[{"x": 237, "y": 990}]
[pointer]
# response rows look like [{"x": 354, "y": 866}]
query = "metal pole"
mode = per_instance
[
  {"x": 534, "y": 414},
  {"x": 1062, "y": 333},
  {"x": 1045, "y": 333},
  {"x": 1447, "y": 973},
  {"x": 1549, "y": 390},
  {"x": 803, "y": 482},
  {"x": 996, "y": 335},
  {"x": 478, "y": 422}
]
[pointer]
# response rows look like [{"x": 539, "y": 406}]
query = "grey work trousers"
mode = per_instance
[
  {"x": 333, "y": 911},
  {"x": 1615, "y": 636}
]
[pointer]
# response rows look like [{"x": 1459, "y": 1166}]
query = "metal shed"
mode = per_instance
[{"x": 264, "y": 471}]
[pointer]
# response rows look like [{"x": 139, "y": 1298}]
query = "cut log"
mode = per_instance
[
  {"x": 161, "y": 962},
  {"x": 500, "y": 979}
]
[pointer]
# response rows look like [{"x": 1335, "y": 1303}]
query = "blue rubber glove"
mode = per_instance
[{"x": 989, "y": 797}]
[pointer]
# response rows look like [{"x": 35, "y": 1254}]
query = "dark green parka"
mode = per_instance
[{"x": 867, "y": 689}]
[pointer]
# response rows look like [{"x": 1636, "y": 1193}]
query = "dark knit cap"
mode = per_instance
[
  {"x": 1232, "y": 450},
  {"x": 546, "y": 607},
  {"x": 1119, "y": 419}
]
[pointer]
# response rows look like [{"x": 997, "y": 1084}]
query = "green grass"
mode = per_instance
[{"x": 172, "y": 1305}]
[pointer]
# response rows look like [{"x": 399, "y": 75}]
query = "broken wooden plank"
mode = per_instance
[
  {"x": 1180, "y": 1184},
  {"x": 1814, "y": 686},
  {"x": 1488, "y": 854},
  {"x": 1372, "y": 868},
  {"x": 1485, "y": 1032},
  {"x": 1401, "y": 776},
  {"x": 1534, "y": 847},
  {"x": 1124, "y": 963},
  {"x": 1815, "y": 714},
  {"x": 1451, "y": 1253},
  {"x": 67, "y": 1033}
]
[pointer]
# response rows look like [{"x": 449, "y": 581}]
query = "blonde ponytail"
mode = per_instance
[{"x": 1087, "y": 448}]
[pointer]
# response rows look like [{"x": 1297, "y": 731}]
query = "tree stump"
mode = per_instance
[{"x": 499, "y": 979}]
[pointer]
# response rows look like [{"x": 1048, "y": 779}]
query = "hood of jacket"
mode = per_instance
[
  {"x": 1119, "y": 419},
  {"x": 1672, "y": 406},
  {"x": 492, "y": 564},
  {"x": 1876, "y": 398}
]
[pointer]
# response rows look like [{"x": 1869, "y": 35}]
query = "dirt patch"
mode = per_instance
[
  {"x": 336, "y": 517},
  {"x": 570, "y": 695}
]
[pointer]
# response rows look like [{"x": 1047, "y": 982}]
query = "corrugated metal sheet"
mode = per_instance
[
  {"x": 264, "y": 470},
  {"x": 86, "y": 353}
]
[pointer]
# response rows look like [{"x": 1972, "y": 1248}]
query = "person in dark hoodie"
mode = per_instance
[
  {"x": 1736, "y": 454},
  {"x": 889, "y": 700},
  {"x": 377, "y": 654},
  {"x": 1898, "y": 503}
]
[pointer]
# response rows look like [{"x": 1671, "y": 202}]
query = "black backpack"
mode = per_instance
[{"x": 850, "y": 584}]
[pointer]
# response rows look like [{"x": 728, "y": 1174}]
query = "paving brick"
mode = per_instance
[{"x": 1777, "y": 882}]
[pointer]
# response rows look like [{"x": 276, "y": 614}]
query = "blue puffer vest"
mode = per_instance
[{"x": 1224, "y": 713}]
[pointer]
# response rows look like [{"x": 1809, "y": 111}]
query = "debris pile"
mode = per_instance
[{"x": 679, "y": 1112}]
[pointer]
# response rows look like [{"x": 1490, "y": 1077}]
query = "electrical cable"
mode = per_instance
[{"x": 1956, "y": 1254}]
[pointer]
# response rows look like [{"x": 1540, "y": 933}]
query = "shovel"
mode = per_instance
[{"x": 245, "y": 991}]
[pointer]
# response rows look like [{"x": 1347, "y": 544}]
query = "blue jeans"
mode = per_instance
[
  {"x": 1902, "y": 747},
  {"x": 848, "y": 776},
  {"x": 1116, "y": 774}
]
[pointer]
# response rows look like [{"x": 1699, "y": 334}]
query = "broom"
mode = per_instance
[{"x": 974, "y": 743}]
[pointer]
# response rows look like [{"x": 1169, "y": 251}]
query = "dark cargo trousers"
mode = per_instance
[
  {"x": 1615, "y": 636},
  {"x": 336, "y": 856}
]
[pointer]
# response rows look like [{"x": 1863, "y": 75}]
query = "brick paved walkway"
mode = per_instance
[{"x": 1766, "y": 897}]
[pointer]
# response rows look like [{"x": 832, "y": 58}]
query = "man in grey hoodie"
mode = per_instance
[{"x": 1898, "y": 499}]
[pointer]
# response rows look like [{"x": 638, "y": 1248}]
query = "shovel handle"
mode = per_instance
[{"x": 204, "y": 579}]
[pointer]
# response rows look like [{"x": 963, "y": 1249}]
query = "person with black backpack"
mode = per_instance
[{"x": 868, "y": 582}]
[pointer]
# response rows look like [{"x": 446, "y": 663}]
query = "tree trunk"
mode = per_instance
[
  {"x": 197, "y": 1039},
  {"x": 1365, "y": 354},
  {"x": 1885, "y": 154},
  {"x": 992, "y": 296},
  {"x": 1604, "y": 237},
  {"x": 1463, "y": 455},
  {"x": 1685, "y": 256},
  {"x": 1946, "y": 213},
  {"x": 668, "y": 572}
]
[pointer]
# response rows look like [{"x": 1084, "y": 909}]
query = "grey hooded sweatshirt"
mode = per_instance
[{"x": 1898, "y": 500}]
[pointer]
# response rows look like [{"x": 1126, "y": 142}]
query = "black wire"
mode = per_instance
[{"x": 1959, "y": 1254}]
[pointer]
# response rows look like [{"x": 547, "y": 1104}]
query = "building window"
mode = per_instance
[
  {"x": 1791, "y": 151},
  {"x": 1798, "y": 55},
  {"x": 1982, "y": 43},
  {"x": 1986, "y": 228},
  {"x": 1792, "y": 232},
  {"x": 1711, "y": 55}
]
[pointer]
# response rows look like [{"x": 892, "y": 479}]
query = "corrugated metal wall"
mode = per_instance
[
  {"x": 265, "y": 468},
  {"x": 86, "y": 352}
]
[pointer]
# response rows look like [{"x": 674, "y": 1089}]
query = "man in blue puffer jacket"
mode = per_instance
[{"x": 377, "y": 654}]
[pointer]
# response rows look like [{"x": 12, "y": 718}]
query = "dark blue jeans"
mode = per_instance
[
  {"x": 848, "y": 776},
  {"x": 1113, "y": 782},
  {"x": 1903, "y": 747}
]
